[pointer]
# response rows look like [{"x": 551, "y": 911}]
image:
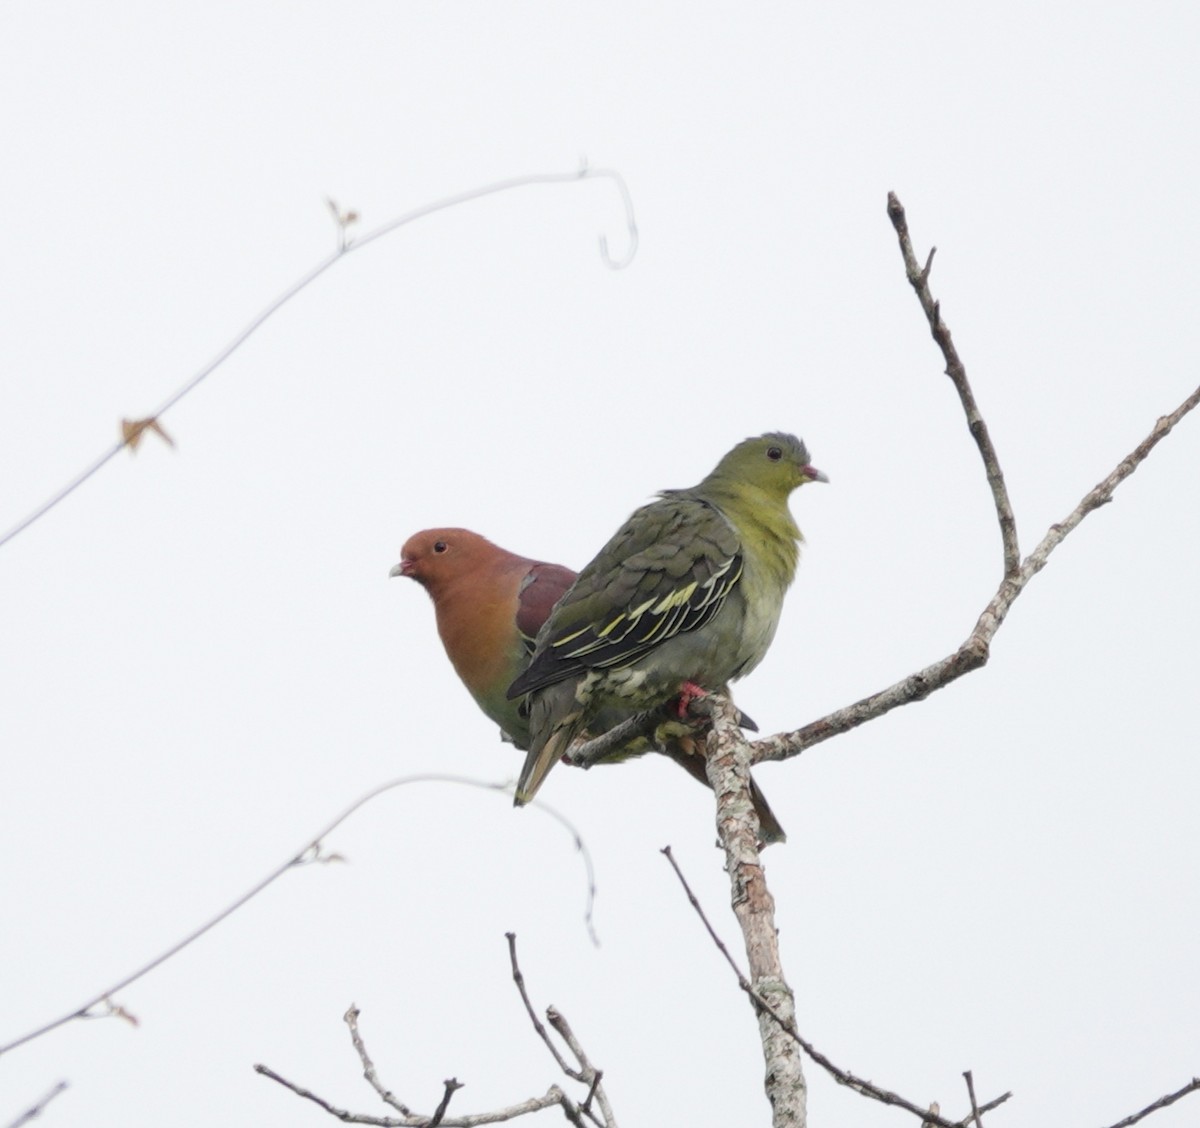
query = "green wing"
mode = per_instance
[{"x": 668, "y": 570}]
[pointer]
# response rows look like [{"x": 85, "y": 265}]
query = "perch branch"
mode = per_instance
[
  {"x": 728, "y": 767},
  {"x": 729, "y": 756}
]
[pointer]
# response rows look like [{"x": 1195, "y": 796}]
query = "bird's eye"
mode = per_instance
[
  {"x": 440, "y": 546},
  {"x": 774, "y": 453}
]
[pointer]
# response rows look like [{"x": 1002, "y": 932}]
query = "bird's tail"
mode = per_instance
[
  {"x": 555, "y": 720},
  {"x": 688, "y": 753},
  {"x": 769, "y": 827},
  {"x": 538, "y": 763}
]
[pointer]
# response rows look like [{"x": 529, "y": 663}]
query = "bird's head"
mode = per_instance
[
  {"x": 776, "y": 463},
  {"x": 435, "y": 556}
]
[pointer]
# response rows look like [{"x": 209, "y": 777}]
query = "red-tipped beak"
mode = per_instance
[
  {"x": 815, "y": 475},
  {"x": 404, "y": 568}
]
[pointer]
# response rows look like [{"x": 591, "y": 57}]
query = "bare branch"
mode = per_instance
[
  {"x": 584, "y": 853},
  {"x": 915, "y": 687},
  {"x": 372, "y": 1078},
  {"x": 554, "y": 1096},
  {"x": 579, "y": 1115},
  {"x": 39, "y": 1106},
  {"x": 519, "y": 980},
  {"x": 586, "y": 1073},
  {"x": 453, "y": 1084},
  {"x": 743, "y": 982},
  {"x": 970, "y": 1080},
  {"x": 974, "y": 652},
  {"x": 843, "y": 1077},
  {"x": 321, "y": 1102},
  {"x": 1191, "y": 1087},
  {"x": 311, "y": 851},
  {"x": 957, "y": 372},
  {"x": 345, "y": 246},
  {"x": 589, "y": 1072},
  {"x": 729, "y": 756},
  {"x": 1102, "y": 492}
]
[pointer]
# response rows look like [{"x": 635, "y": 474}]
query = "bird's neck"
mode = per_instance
[{"x": 768, "y": 529}]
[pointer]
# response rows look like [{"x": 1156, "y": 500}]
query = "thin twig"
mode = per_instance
[
  {"x": 842, "y": 1076},
  {"x": 598, "y": 1076},
  {"x": 372, "y": 1078},
  {"x": 589, "y": 1072},
  {"x": 589, "y": 919},
  {"x": 311, "y": 849},
  {"x": 1191, "y": 1087},
  {"x": 586, "y": 1073},
  {"x": 345, "y": 246},
  {"x": 956, "y": 370},
  {"x": 321, "y": 1102},
  {"x": 743, "y": 982},
  {"x": 971, "y": 1093},
  {"x": 39, "y": 1106},
  {"x": 554, "y": 1096},
  {"x": 987, "y": 1106},
  {"x": 453, "y": 1084},
  {"x": 519, "y": 980},
  {"x": 974, "y": 651}
]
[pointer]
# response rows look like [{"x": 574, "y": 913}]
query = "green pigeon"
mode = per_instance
[
  {"x": 684, "y": 599},
  {"x": 489, "y": 604}
]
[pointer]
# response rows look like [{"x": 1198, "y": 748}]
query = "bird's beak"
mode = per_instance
[
  {"x": 404, "y": 568},
  {"x": 815, "y": 475}
]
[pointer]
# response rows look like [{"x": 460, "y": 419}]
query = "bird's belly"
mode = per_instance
[{"x": 759, "y": 620}]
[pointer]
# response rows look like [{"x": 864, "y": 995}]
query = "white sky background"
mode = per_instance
[{"x": 203, "y": 659}]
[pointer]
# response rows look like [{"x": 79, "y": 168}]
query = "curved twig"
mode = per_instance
[
  {"x": 345, "y": 246},
  {"x": 311, "y": 852},
  {"x": 39, "y": 1106}
]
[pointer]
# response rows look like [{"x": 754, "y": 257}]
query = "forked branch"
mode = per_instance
[
  {"x": 729, "y": 756},
  {"x": 974, "y": 652},
  {"x": 582, "y": 1115}
]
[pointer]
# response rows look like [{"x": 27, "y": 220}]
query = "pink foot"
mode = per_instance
[{"x": 689, "y": 692}]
